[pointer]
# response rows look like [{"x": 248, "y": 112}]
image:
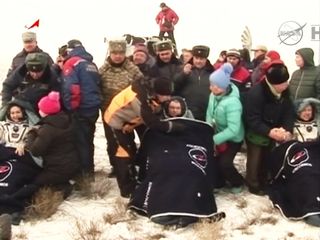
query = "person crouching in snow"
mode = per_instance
[
  {"x": 130, "y": 108},
  {"x": 53, "y": 141},
  {"x": 306, "y": 127},
  {"x": 224, "y": 113}
]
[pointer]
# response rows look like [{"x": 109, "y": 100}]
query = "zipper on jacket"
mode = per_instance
[{"x": 302, "y": 75}]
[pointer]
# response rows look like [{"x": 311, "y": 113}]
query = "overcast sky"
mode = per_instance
[{"x": 218, "y": 24}]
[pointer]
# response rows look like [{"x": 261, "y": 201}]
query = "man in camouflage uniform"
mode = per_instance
[{"x": 117, "y": 73}]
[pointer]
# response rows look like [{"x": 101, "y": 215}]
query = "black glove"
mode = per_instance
[{"x": 177, "y": 127}]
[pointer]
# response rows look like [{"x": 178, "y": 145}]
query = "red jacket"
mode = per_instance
[{"x": 167, "y": 19}]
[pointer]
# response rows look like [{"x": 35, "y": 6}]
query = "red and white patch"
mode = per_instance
[
  {"x": 198, "y": 156},
  {"x": 298, "y": 158},
  {"x": 5, "y": 170}
]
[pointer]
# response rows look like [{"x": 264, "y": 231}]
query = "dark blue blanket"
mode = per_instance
[
  {"x": 180, "y": 173},
  {"x": 295, "y": 188}
]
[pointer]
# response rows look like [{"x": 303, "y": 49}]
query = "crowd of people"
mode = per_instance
[{"x": 49, "y": 111}]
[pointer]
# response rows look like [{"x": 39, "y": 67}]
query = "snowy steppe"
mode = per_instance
[{"x": 247, "y": 216}]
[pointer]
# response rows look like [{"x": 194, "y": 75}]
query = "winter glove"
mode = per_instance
[{"x": 221, "y": 148}]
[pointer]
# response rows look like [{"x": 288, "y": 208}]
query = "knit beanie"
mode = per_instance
[
  {"x": 221, "y": 77},
  {"x": 273, "y": 55},
  {"x": 163, "y": 86},
  {"x": 50, "y": 104},
  {"x": 233, "y": 52},
  {"x": 277, "y": 72}
]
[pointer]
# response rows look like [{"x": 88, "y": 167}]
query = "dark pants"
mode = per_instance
[
  {"x": 84, "y": 128},
  {"x": 111, "y": 143},
  {"x": 171, "y": 37},
  {"x": 225, "y": 159},
  {"x": 124, "y": 162},
  {"x": 257, "y": 169}
]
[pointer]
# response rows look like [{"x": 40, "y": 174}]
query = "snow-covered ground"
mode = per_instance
[{"x": 247, "y": 217}]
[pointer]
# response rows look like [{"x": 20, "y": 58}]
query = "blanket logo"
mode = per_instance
[
  {"x": 198, "y": 155},
  {"x": 298, "y": 158},
  {"x": 5, "y": 170}
]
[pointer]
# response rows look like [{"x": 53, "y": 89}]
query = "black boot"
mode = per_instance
[{"x": 126, "y": 176}]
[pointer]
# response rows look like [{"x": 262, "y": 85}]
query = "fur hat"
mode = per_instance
[
  {"x": 50, "y": 104},
  {"x": 277, "y": 72},
  {"x": 163, "y": 86},
  {"x": 201, "y": 51},
  {"x": 74, "y": 43},
  {"x": 29, "y": 36},
  {"x": 221, "y": 77},
  {"x": 233, "y": 52},
  {"x": 36, "y": 62},
  {"x": 301, "y": 104},
  {"x": 164, "y": 45},
  {"x": 117, "y": 46}
]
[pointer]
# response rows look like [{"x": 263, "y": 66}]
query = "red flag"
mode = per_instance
[{"x": 35, "y": 24}]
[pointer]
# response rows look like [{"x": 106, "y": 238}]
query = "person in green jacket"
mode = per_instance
[
  {"x": 224, "y": 113},
  {"x": 305, "y": 82}
]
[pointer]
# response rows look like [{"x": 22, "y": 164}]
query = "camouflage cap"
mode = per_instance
[
  {"x": 29, "y": 36},
  {"x": 36, "y": 62},
  {"x": 164, "y": 45},
  {"x": 117, "y": 46}
]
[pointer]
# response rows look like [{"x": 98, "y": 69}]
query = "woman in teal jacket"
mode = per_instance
[{"x": 224, "y": 113}]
